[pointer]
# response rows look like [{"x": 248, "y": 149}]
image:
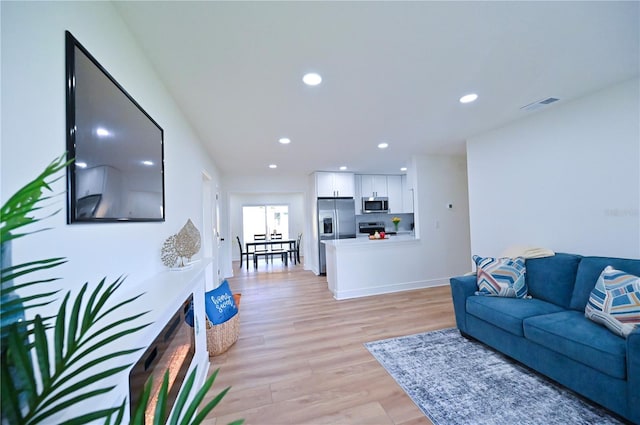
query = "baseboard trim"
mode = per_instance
[{"x": 387, "y": 289}]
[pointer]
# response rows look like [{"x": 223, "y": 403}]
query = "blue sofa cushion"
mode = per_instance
[
  {"x": 573, "y": 335},
  {"x": 508, "y": 313},
  {"x": 552, "y": 278},
  {"x": 501, "y": 277},
  {"x": 588, "y": 272},
  {"x": 615, "y": 301}
]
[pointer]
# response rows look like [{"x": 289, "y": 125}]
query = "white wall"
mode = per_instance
[
  {"x": 566, "y": 178},
  {"x": 441, "y": 180},
  {"x": 33, "y": 133}
]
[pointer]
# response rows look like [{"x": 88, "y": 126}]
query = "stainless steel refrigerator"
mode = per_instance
[{"x": 336, "y": 220}]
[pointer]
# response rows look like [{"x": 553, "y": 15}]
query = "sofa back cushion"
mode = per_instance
[
  {"x": 588, "y": 273},
  {"x": 552, "y": 278}
]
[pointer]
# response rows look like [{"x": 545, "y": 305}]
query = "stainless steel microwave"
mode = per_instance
[{"x": 375, "y": 205}]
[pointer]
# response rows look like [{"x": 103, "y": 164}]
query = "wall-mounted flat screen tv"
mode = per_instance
[{"x": 118, "y": 171}]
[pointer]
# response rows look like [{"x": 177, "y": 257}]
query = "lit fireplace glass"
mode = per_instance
[{"x": 172, "y": 350}]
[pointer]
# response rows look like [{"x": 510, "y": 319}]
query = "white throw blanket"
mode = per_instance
[
  {"x": 524, "y": 252},
  {"x": 527, "y": 252}
]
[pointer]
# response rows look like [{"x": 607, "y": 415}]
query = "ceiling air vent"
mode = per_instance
[{"x": 539, "y": 104}]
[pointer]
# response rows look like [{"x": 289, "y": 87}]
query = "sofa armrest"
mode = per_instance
[
  {"x": 462, "y": 287},
  {"x": 633, "y": 375}
]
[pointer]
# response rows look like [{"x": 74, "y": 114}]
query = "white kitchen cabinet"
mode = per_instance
[
  {"x": 373, "y": 185},
  {"x": 394, "y": 193},
  {"x": 407, "y": 196},
  {"x": 344, "y": 184},
  {"x": 394, "y": 187},
  {"x": 324, "y": 184},
  {"x": 334, "y": 184}
]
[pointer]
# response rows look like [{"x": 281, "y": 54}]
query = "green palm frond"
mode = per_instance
[
  {"x": 161, "y": 405},
  {"x": 139, "y": 415},
  {"x": 62, "y": 385},
  {"x": 119, "y": 417},
  {"x": 16, "y": 211},
  {"x": 13, "y": 272},
  {"x": 189, "y": 417},
  {"x": 191, "y": 410},
  {"x": 49, "y": 364}
]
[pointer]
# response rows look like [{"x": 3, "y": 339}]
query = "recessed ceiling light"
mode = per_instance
[
  {"x": 383, "y": 145},
  {"x": 147, "y": 163},
  {"x": 403, "y": 169},
  {"x": 102, "y": 132},
  {"x": 284, "y": 140},
  {"x": 273, "y": 166},
  {"x": 342, "y": 168},
  {"x": 468, "y": 98},
  {"x": 312, "y": 79},
  {"x": 81, "y": 164}
]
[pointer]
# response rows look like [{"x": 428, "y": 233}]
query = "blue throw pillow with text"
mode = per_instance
[{"x": 219, "y": 304}]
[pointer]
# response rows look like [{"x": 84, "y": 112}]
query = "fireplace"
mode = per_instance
[{"x": 172, "y": 349}]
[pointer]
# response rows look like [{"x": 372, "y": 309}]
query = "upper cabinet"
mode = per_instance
[
  {"x": 348, "y": 185},
  {"x": 394, "y": 193},
  {"x": 393, "y": 187},
  {"x": 373, "y": 185},
  {"x": 407, "y": 195},
  {"x": 333, "y": 185}
]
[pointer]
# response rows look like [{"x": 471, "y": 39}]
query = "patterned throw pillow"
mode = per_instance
[
  {"x": 219, "y": 304},
  {"x": 501, "y": 277},
  {"x": 615, "y": 301}
]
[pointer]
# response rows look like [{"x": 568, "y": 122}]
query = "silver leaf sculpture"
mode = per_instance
[
  {"x": 183, "y": 245},
  {"x": 188, "y": 240},
  {"x": 169, "y": 255}
]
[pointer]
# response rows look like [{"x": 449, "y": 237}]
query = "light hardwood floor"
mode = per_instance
[{"x": 300, "y": 357}]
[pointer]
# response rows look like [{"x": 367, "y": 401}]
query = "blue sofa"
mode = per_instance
[{"x": 550, "y": 333}]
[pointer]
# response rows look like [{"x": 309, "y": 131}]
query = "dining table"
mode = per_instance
[{"x": 268, "y": 244}]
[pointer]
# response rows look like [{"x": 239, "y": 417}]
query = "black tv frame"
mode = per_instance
[{"x": 74, "y": 201}]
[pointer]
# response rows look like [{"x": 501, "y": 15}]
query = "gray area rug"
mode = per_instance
[{"x": 457, "y": 381}]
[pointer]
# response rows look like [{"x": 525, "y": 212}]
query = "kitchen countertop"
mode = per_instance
[
  {"x": 390, "y": 233},
  {"x": 365, "y": 241}
]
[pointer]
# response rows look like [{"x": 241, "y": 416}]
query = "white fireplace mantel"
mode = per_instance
[{"x": 163, "y": 294}]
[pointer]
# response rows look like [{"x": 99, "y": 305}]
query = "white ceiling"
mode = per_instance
[{"x": 392, "y": 71}]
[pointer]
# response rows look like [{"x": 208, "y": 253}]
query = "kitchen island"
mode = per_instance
[{"x": 361, "y": 267}]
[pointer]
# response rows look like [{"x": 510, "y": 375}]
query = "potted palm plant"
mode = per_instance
[{"x": 43, "y": 376}]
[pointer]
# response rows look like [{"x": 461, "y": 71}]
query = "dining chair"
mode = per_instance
[
  {"x": 295, "y": 252},
  {"x": 260, "y": 237},
  {"x": 298, "y": 247},
  {"x": 278, "y": 248},
  {"x": 243, "y": 254},
  {"x": 260, "y": 250}
]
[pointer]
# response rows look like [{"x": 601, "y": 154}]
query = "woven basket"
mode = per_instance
[{"x": 221, "y": 337}]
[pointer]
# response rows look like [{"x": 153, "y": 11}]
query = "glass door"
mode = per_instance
[{"x": 267, "y": 219}]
